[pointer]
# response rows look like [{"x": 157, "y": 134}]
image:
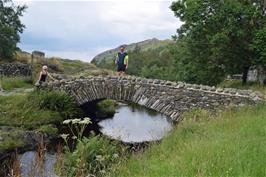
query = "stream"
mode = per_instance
[
  {"x": 135, "y": 124},
  {"x": 130, "y": 124}
]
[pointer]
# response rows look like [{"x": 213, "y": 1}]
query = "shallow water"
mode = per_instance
[
  {"x": 29, "y": 166},
  {"x": 134, "y": 124}
]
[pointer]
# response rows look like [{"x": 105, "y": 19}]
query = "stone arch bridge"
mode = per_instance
[{"x": 169, "y": 98}]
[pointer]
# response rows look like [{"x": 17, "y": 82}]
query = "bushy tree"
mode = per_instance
[
  {"x": 259, "y": 48},
  {"x": 152, "y": 63},
  {"x": 10, "y": 28},
  {"x": 216, "y": 37}
]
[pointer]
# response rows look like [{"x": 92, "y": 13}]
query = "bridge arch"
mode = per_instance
[{"x": 169, "y": 98}]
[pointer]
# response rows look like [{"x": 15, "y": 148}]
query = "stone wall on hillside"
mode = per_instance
[
  {"x": 169, "y": 98},
  {"x": 15, "y": 69}
]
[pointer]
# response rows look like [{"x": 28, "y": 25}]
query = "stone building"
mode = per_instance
[
  {"x": 37, "y": 55},
  {"x": 255, "y": 74}
]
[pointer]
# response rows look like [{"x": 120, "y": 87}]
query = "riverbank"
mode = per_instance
[{"x": 231, "y": 143}]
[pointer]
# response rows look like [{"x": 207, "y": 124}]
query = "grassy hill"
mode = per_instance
[{"x": 144, "y": 46}]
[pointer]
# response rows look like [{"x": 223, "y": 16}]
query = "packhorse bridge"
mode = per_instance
[{"x": 169, "y": 98}]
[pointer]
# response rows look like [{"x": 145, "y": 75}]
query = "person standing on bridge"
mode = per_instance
[{"x": 121, "y": 61}]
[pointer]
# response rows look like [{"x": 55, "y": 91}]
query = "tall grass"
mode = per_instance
[
  {"x": 9, "y": 83},
  {"x": 91, "y": 157},
  {"x": 36, "y": 109},
  {"x": 238, "y": 85},
  {"x": 58, "y": 101},
  {"x": 231, "y": 143}
]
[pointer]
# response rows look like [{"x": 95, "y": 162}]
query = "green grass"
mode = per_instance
[
  {"x": 75, "y": 66},
  {"x": 109, "y": 56},
  {"x": 93, "y": 155},
  {"x": 16, "y": 110},
  {"x": 238, "y": 85},
  {"x": 106, "y": 108},
  {"x": 35, "y": 109},
  {"x": 8, "y": 137},
  {"x": 9, "y": 83},
  {"x": 48, "y": 129},
  {"x": 232, "y": 143}
]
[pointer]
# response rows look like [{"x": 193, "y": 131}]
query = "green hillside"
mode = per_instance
[{"x": 109, "y": 55}]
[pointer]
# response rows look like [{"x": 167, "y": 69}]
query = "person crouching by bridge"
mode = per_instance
[
  {"x": 43, "y": 76},
  {"x": 121, "y": 61}
]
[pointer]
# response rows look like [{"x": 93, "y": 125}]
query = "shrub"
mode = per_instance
[
  {"x": 7, "y": 142},
  {"x": 57, "y": 101},
  {"x": 49, "y": 129},
  {"x": 18, "y": 110},
  {"x": 92, "y": 155},
  {"x": 106, "y": 108}
]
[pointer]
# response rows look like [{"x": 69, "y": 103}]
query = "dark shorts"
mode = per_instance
[{"x": 121, "y": 68}]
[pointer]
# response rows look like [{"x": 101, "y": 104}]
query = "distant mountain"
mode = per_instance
[{"x": 144, "y": 45}]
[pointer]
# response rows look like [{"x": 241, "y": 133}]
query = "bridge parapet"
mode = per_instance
[{"x": 169, "y": 98}]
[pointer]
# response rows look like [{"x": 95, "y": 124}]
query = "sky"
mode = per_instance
[{"x": 82, "y": 29}]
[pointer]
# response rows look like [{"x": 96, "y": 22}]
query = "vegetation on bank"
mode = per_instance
[
  {"x": 92, "y": 156},
  {"x": 254, "y": 86},
  {"x": 9, "y": 83},
  {"x": 10, "y": 139},
  {"x": 106, "y": 108},
  {"x": 39, "y": 110},
  {"x": 231, "y": 143},
  {"x": 36, "y": 108}
]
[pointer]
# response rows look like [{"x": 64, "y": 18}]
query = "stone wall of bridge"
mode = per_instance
[{"x": 169, "y": 98}]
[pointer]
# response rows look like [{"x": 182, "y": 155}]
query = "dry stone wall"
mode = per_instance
[
  {"x": 169, "y": 98},
  {"x": 15, "y": 69}
]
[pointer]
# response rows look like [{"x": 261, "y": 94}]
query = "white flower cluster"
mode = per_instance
[
  {"x": 84, "y": 121},
  {"x": 64, "y": 136}
]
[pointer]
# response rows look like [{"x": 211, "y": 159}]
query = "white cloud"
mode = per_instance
[
  {"x": 85, "y": 56},
  {"x": 76, "y": 55}
]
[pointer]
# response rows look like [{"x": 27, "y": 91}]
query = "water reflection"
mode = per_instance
[
  {"x": 133, "y": 123},
  {"x": 30, "y": 166}
]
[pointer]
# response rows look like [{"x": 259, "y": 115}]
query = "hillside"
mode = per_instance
[
  {"x": 61, "y": 65},
  {"x": 144, "y": 45}
]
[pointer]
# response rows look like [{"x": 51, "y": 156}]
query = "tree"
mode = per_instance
[
  {"x": 259, "y": 48},
  {"x": 10, "y": 28},
  {"x": 217, "y": 34}
]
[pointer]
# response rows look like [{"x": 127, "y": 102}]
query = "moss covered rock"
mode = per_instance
[{"x": 106, "y": 108}]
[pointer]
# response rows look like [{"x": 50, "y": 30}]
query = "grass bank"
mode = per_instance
[
  {"x": 9, "y": 83},
  {"x": 231, "y": 143},
  {"x": 238, "y": 85},
  {"x": 36, "y": 108}
]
